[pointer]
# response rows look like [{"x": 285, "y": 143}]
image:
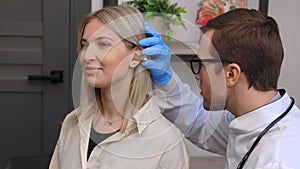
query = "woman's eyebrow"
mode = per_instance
[
  {"x": 104, "y": 37},
  {"x": 83, "y": 40}
]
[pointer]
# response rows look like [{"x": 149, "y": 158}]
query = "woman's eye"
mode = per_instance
[{"x": 103, "y": 44}]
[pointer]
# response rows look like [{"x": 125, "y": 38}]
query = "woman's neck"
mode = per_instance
[
  {"x": 111, "y": 117},
  {"x": 111, "y": 107},
  {"x": 114, "y": 100}
]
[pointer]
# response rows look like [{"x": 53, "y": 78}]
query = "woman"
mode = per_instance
[{"x": 117, "y": 124}]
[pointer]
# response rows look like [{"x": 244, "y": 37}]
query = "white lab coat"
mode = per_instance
[
  {"x": 221, "y": 133},
  {"x": 157, "y": 144}
]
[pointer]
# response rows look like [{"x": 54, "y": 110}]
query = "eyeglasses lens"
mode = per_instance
[{"x": 196, "y": 67}]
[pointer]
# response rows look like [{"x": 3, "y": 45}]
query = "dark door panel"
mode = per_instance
[
  {"x": 36, "y": 37},
  {"x": 20, "y": 124}
]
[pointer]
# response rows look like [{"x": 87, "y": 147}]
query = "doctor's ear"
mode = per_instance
[{"x": 232, "y": 73}]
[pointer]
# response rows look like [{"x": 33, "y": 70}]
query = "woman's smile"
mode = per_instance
[{"x": 92, "y": 69}]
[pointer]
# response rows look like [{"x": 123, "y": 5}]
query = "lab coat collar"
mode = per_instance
[
  {"x": 262, "y": 116},
  {"x": 146, "y": 115}
]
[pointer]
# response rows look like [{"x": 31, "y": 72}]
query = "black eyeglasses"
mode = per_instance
[{"x": 196, "y": 63}]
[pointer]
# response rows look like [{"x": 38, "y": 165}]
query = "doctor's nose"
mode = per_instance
[{"x": 197, "y": 76}]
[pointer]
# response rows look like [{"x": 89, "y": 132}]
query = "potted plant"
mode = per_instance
[{"x": 170, "y": 13}]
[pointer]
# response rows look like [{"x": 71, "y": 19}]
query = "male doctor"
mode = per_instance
[{"x": 242, "y": 113}]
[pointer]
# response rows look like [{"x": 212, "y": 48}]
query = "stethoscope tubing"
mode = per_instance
[{"x": 246, "y": 156}]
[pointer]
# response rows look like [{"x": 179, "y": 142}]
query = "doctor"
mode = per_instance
[{"x": 241, "y": 113}]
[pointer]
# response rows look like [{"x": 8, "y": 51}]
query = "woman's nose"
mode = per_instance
[{"x": 89, "y": 54}]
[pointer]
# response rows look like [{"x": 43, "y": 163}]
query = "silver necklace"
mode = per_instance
[{"x": 109, "y": 123}]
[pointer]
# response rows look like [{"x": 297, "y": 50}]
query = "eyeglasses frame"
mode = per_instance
[{"x": 195, "y": 58}]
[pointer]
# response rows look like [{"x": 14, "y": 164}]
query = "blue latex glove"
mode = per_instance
[{"x": 160, "y": 54}]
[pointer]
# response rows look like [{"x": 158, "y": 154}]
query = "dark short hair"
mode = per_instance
[{"x": 250, "y": 39}]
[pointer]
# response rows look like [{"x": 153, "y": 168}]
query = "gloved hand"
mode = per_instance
[{"x": 160, "y": 54}]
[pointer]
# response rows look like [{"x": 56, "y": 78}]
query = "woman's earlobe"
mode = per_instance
[{"x": 134, "y": 63}]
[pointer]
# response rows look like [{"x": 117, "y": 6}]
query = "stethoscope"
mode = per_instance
[{"x": 245, "y": 158}]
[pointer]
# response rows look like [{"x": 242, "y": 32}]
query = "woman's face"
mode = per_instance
[{"x": 104, "y": 55}]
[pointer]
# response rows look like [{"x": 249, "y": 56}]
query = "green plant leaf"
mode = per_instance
[
  {"x": 169, "y": 35},
  {"x": 148, "y": 15},
  {"x": 169, "y": 11}
]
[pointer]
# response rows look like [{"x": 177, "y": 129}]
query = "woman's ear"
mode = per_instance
[
  {"x": 137, "y": 51},
  {"x": 134, "y": 63}
]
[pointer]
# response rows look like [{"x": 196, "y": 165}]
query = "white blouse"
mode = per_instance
[{"x": 156, "y": 144}]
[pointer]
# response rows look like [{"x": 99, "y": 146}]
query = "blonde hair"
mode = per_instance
[{"x": 127, "y": 22}]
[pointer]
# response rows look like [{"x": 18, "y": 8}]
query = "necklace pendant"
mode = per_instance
[{"x": 107, "y": 123}]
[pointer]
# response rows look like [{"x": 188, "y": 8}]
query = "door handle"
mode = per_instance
[{"x": 56, "y": 76}]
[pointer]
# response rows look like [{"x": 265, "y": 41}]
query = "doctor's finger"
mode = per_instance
[
  {"x": 149, "y": 64},
  {"x": 150, "y": 31},
  {"x": 155, "y": 50},
  {"x": 150, "y": 41}
]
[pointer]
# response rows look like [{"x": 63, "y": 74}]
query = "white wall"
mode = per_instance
[
  {"x": 191, "y": 34},
  {"x": 286, "y": 15},
  {"x": 96, "y": 4}
]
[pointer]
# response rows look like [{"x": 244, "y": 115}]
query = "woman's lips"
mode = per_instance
[{"x": 91, "y": 70}]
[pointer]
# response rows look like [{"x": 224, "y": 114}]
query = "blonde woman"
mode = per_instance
[{"x": 117, "y": 125}]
